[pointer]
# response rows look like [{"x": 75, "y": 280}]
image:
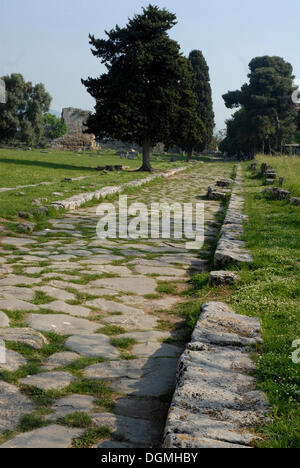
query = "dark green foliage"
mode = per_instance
[
  {"x": 266, "y": 116},
  {"x": 147, "y": 89},
  {"x": 204, "y": 99},
  {"x": 53, "y": 127},
  {"x": 298, "y": 120},
  {"x": 21, "y": 118}
]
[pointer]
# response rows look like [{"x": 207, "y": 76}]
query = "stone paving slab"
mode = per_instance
[
  {"x": 145, "y": 382},
  {"x": 61, "y": 306},
  {"x": 98, "y": 291},
  {"x": 146, "y": 336},
  {"x": 92, "y": 346},
  {"x": 48, "y": 380},
  {"x": 53, "y": 436},
  {"x": 139, "y": 377},
  {"x": 14, "y": 280},
  {"x": 25, "y": 336},
  {"x": 141, "y": 285},
  {"x": 155, "y": 350},
  {"x": 62, "y": 324},
  {"x": 166, "y": 303},
  {"x": 24, "y": 294},
  {"x": 56, "y": 293},
  {"x": 152, "y": 409},
  {"x": 111, "y": 269},
  {"x": 13, "y": 406},
  {"x": 132, "y": 322},
  {"x": 69, "y": 405},
  {"x": 17, "y": 241},
  {"x": 13, "y": 361},
  {"x": 12, "y": 304},
  {"x": 61, "y": 359},
  {"x": 137, "y": 431},
  {"x": 111, "y": 306},
  {"x": 161, "y": 270}
]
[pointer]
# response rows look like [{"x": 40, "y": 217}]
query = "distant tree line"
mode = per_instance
[
  {"x": 24, "y": 118},
  {"x": 152, "y": 94}
]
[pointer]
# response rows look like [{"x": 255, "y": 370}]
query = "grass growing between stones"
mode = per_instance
[
  {"x": 91, "y": 437},
  {"x": 31, "y": 421},
  {"x": 77, "y": 419}
]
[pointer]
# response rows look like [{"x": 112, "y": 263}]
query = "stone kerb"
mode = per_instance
[
  {"x": 78, "y": 200},
  {"x": 230, "y": 249},
  {"x": 216, "y": 404}
]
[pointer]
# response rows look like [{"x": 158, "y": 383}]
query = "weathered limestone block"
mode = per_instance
[
  {"x": 213, "y": 194},
  {"x": 13, "y": 405},
  {"x": 221, "y": 278},
  {"x": 231, "y": 250},
  {"x": 270, "y": 175},
  {"x": 270, "y": 181},
  {"x": 216, "y": 403},
  {"x": 23, "y": 335},
  {"x": 281, "y": 194},
  {"x": 224, "y": 183},
  {"x": 295, "y": 201},
  {"x": 78, "y": 200}
]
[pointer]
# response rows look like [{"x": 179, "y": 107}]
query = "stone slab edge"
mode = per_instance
[
  {"x": 216, "y": 403},
  {"x": 230, "y": 249},
  {"x": 78, "y": 200}
]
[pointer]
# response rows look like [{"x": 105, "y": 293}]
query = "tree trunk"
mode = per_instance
[
  {"x": 189, "y": 155},
  {"x": 146, "y": 166}
]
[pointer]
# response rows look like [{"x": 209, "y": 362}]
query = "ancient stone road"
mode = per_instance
[{"x": 113, "y": 303}]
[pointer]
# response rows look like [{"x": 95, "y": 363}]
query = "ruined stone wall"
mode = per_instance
[
  {"x": 2, "y": 92},
  {"x": 75, "y": 139}
]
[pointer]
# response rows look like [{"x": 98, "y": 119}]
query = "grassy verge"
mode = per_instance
[
  {"x": 269, "y": 289},
  {"x": 21, "y": 168},
  {"x": 287, "y": 167}
]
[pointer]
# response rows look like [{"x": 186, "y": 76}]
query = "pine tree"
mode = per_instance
[
  {"x": 141, "y": 96},
  {"x": 266, "y": 116},
  {"x": 204, "y": 98}
]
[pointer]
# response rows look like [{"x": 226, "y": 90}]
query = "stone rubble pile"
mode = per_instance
[
  {"x": 216, "y": 404},
  {"x": 75, "y": 138},
  {"x": 220, "y": 190}
]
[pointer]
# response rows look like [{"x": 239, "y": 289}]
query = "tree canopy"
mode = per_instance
[
  {"x": 147, "y": 92},
  {"x": 265, "y": 118},
  {"x": 204, "y": 98},
  {"x": 53, "y": 127},
  {"x": 21, "y": 118}
]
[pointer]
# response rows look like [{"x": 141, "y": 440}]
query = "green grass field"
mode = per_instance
[
  {"x": 270, "y": 289},
  {"x": 19, "y": 167},
  {"x": 287, "y": 167}
]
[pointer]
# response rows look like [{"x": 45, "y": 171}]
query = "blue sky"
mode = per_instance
[{"x": 47, "y": 41}]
